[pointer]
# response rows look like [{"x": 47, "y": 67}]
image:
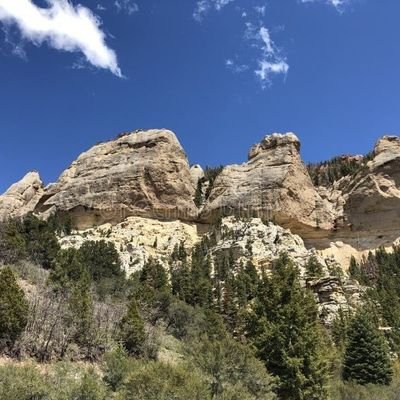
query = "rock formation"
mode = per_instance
[
  {"x": 274, "y": 184},
  {"x": 144, "y": 173},
  {"x": 373, "y": 195},
  {"x": 22, "y": 197},
  {"x": 136, "y": 239}
]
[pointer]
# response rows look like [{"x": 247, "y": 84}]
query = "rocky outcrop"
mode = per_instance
[
  {"x": 333, "y": 296},
  {"x": 136, "y": 239},
  {"x": 262, "y": 243},
  {"x": 144, "y": 173},
  {"x": 274, "y": 184},
  {"x": 22, "y": 197},
  {"x": 196, "y": 173},
  {"x": 373, "y": 195}
]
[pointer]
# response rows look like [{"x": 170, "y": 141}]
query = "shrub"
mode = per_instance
[{"x": 155, "y": 380}]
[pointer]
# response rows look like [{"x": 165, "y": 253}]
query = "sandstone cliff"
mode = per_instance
[
  {"x": 144, "y": 173},
  {"x": 22, "y": 197},
  {"x": 274, "y": 184}
]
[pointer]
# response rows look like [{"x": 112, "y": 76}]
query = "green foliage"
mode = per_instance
[
  {"x": 340, "y": 329},
  {"x": 327, "y": 172},
  {"x": 153, "y": 276},
  {"x": 354, "y": 269},
  {"x": 101, "y": 259},
  {"x": 230, "y": 365},
  {"x": 13, "y": 308},
  {"x": 22, "y": 383},
  {"x": 314, "y": 269},
  {"x": 285, "y": 330},
  {"x": 366, "y": 358},
  {"x": 81, "y": 309},
  {"x": 31, "y": 238},
  {"x": 61, "y": 223},
  {"x": 155, "y": 380},
  {"x": 132, "y": 330},
  {"x": 116, "y": 365},
  {"x": 62, "y": 382},
  {"x": 381, "y": 271}
]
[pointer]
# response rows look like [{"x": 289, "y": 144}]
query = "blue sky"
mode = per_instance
[{"x": 219, "y": 73}]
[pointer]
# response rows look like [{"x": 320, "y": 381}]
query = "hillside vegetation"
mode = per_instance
[{"x": 73, "y": 326}]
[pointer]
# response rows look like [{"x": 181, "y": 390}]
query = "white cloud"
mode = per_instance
[
  {"x": 203, "y": 7},
  {"x": 127, "y": 6},
  {"x": 260, "y": 10},
  {"x": 63, "y": 27},
  {"x": 338, "y": 4},
  {"x": 235, "y": 67},
  {"x": 270, "y": 60}
]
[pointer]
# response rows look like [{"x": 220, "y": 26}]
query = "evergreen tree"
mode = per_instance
[
  {"x": 101, "y": 258},
  {"x": 314, "y": 269},
  {"x": 13, "y": 308},
  {"x": 354, "y": 269},
  {"x": 132, "y": 330},
  {"x": 246, "y": 283},
  {"x": 82, "y": 311},
  {"x": 202, "y": 285},
  {"x": 366, "y": 357},
  {"x": 181, "y": 283},
  {"x": 285, "y": 330}
]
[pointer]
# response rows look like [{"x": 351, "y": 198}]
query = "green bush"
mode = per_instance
[{"x": 154, "y": 380}]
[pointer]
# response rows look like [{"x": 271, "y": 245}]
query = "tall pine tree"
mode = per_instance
[
  {"x": 285, "y": 330},
  {"x": 366, "y": 358}
]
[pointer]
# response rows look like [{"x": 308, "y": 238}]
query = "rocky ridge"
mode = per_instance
[{"x": 146, "y": 174}]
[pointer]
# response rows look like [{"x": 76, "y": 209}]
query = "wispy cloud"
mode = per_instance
[
  {"x": 338, "y": 4},
  {"x": 127, "y": 6},
  {"x": 270, "y": 61},
  {"x": 203, "y": 7},
  {"x": 62, "y": 26},
  {"x": 235, "y": 67}
]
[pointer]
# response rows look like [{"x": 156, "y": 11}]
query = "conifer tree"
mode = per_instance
[
  {"x": 313, "y": 267},
  {"x": 13, "y": 308},
  {"x": 354, "y": 269},
  {"x": 285, "y": 330},
  {"x": 367, "y": 358},
  {"x": 82, "y": 310},
  {"x": 132, "y": 330}
]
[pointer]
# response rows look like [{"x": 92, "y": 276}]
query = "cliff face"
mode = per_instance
[
  {"x": 22, "y": 197},
  {"x": 273, "y": 184},
  {"x": 144, "y": 173},
  {"x": 373, "y": 195}
]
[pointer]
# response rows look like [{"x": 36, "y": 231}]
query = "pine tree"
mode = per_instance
[
  {"x": 354, "y": 269},
  {"x": 82, "y": 311},
  {"x": 313, "y": 267},
  {"x": 132, "y": 330},
  {"x": 285, "y": 330},
  {"x": 367, "y": 358},
  {"x": 153, "y": 276},
  {"x": 13, "y": 308}
]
